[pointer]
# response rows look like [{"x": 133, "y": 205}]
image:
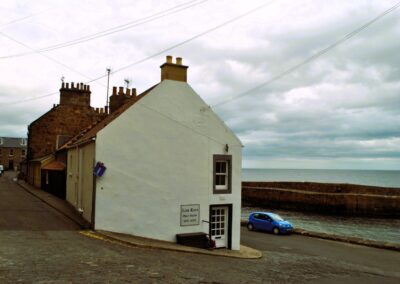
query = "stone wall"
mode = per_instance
[
  {"x": 323, "y": 198},
  {"x": 65, "y": 120},
  {"x": 18, "y": 155}
]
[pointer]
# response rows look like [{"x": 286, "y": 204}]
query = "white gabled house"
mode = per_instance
[{"x": 172, "y": 166}]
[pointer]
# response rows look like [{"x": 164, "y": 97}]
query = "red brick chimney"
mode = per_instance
[
  {"x": 118, "y": 99},
  {"x": 174, "y": 71}
]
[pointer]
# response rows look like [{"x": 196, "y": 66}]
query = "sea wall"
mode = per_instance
[{"x": 344, "y": 199}]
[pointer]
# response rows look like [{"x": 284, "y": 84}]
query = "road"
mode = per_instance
[{"x": 37, "y": 244}]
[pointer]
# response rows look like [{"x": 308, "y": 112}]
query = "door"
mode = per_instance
[
  {"x": 267, "y": 222},
  {"x": 11, "y": 165},
  {"x": 219, "y": 225}
]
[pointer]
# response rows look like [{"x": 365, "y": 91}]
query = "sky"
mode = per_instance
[{"x": 338, "y": 111}]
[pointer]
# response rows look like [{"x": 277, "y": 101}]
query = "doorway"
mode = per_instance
[
  {"x": 10, "y": 165},
  {"x": 221, "y": 225}
]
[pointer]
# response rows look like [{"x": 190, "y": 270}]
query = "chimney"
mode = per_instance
[
  {"x": 119, "y": 98},
  {"x": 174, "y": 71},
  {"x": 71, "y": 95}
]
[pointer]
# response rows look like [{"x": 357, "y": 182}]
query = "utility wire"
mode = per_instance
[
  {"x": 183, "y": 124},
  {"x": 162, "y": 51},
  {"x": 48, "y": 57},
  {"x": 309, "y": 59},
  {"x": 189, "y": 39},
  {"x": 24, "y": 18},
  {"x": 116, "y": 29}
]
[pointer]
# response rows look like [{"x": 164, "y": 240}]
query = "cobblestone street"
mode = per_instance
[{"x": 39, "y": 245}]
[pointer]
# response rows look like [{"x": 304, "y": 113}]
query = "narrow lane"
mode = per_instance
[{"x": 19, "y": 210}]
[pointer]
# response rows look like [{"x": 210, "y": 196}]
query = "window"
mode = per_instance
[
  {"x": 222, "y": 174},
  {"x": 11, "y": 152},
  {"x": 23, "y": 142},
  {"x": 23, "y": 152},
  {"x": 0, "y": 152}
]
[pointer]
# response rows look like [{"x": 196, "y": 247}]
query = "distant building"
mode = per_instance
[
  {"x": 12, "y": 152},
  {"x": 166, "y": 164},
  {"x": 50, "y": 131}
]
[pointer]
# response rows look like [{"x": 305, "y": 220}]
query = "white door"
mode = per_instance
[{"x": 219, "y": 225}]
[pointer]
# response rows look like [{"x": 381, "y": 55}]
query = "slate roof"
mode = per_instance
[
  {"x": 13, "y": 142},
  {"x": 88, "y": 133}
]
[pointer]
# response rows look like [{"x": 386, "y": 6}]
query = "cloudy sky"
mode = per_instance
[{"x": 340, "y": 111}]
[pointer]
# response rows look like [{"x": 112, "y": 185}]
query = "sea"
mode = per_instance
[
  {"x": 364, "y": 177},
  {"x": 378, "y": 229}
]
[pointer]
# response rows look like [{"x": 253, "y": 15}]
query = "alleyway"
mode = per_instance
[{"x": 19, "y": 210}]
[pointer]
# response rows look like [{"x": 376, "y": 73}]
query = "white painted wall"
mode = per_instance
[{"x": 156, "y": 163}]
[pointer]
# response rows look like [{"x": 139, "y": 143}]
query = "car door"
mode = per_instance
[
  {"x": 257, "y": 222},
  {"x": 266, "y": 222}
]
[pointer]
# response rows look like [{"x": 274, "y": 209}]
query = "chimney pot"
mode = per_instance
[
  {"x": 62, "y": 85},
  {"x": 67, "y": 85},
  {"x": 134, "y": 92},
  {"x": 81, "y": 86},
  {"x": 72, "y": 85},
  {"x": 179, "y": 60},
  {"x": 121, "y": 91},
  {"x": 169, "y": 59},
  {"x": 114, "y": 91},
  {"x": 128, "y": 92}
]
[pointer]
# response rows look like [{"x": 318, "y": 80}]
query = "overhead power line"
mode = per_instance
[
  {"x": 159, "y": 52},
  {"x": 24, "y": 18},
  {"x": 48, "y": 57},
  {"x": 309, "y": 59},
  {"x": 188, "y": 40},
  {"x": 113, "y": 30}
]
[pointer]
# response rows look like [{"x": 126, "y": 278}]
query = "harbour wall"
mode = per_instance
[{"x": 324, "y": 198}]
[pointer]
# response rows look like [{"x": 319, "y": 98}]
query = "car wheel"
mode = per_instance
[
  {"x": 250, "y": 227},
  {"x": 276, "y": 231}
]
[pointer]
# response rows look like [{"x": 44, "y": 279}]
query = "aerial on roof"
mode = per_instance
[{"x": 13, "y": 142}]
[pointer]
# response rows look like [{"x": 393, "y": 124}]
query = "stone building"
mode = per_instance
[
  {"x": 65, "y": 120},
  {"x": 12, "y": 152}
]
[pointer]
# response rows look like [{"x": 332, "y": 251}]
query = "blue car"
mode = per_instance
[{"x": 266, "y": 221}]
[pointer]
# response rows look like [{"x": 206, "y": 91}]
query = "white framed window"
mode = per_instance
[{"x": 222, "y": 174}]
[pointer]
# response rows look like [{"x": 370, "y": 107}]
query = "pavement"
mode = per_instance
[
  {"x": 38, "y": 244},
  {"x": 69, "y": 212}
]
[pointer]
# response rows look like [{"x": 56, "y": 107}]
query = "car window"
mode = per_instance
[{"x": 276, "y": 217}]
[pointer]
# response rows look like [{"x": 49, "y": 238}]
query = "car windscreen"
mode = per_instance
[{"x": 276, "y": 217}]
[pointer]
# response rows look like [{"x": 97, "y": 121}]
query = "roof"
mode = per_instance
[
  {"x": 88, "y": 133},
  {"x": 13, "y": 142},
  {"x": 54, "y": 166}
]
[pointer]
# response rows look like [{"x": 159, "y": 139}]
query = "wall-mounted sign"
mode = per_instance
[
  {"x": 99, "y": 169},
  {"x": 190, "y": 215}
]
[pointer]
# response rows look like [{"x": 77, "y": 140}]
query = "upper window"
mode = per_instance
[
  {"x": 11, "y": 152},
  {"x": 23, "y": 142},
  {"x": 222, "y": 174},
  {"x": 23, "y": 153}
]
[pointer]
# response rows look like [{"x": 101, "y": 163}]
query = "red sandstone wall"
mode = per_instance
[
  {"x": 322, "y": 202},
  {"x": 61, "y": 120}
]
